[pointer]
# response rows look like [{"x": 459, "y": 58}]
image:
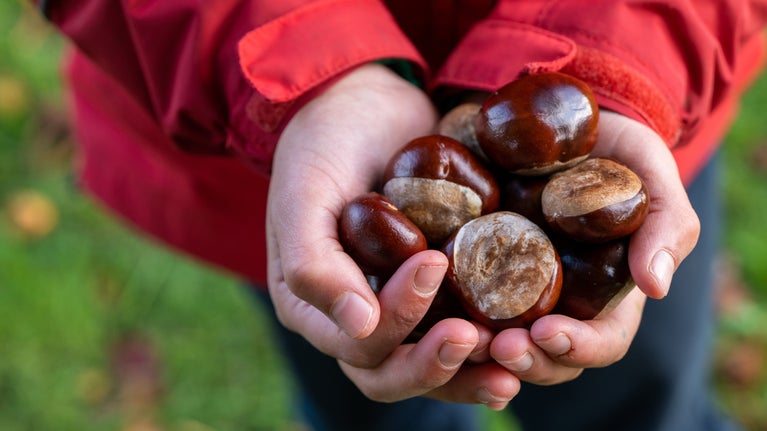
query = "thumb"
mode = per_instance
[{"x": 671, "y": 228}]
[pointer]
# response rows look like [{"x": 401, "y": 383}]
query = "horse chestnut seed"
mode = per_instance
[
  {"x": 458, "y": 123},
  {"x": 522, "y": 195},
  {"x": 595, "y": 201},
  {"x": 595, "y": 277},
  {"x": 440, "y": 185},
  {"x": 377, "y": 236},
  {"x": 538, "y": 124},
  {"x": 504, "y": 269}
]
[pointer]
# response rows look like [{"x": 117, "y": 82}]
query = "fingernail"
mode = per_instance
[
  {"x": 520, "y": 364},
  {"x": 556, "y": 345},
  {"x": 485, "y": 397},
  {"x": 452, "y": 355},
  {"x": 428, "y": 278},
  {"x": 662, "y": 268},
  {"x": 351, "y": 313}
]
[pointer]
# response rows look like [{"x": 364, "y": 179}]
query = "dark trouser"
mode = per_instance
[{"x": 661, "y": 385}]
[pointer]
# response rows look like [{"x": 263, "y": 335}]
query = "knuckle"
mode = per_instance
[
  {"x": 406, "y": 318},
  {"x": 691, "y": 224},
  {"x": 299, "y": 278}
]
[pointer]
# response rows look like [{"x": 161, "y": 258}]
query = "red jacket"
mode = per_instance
[{"x": 179, "y": 104}]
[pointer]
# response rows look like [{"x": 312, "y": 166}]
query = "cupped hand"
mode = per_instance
[
  {"x": 334, "y": 149},
  {"x": 557, "y": 348}
]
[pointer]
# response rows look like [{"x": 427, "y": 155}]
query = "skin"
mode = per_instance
[{"x": 334, "y": 149}]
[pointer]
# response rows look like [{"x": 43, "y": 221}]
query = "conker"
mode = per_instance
[
  {"x": 538, "y": 124},
  {"x": 458, "y": 123},
  {"x": 522, "y": 195},
  {"x": 595, "y": 277},
  {"x": 440, "y": 185},
  {"x": 377, "y": 235},
  {"x": 595, "y": 201},
  {"x": 504, "y": 269}
]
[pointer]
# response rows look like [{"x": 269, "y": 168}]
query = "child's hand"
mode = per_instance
[
  {"x": 334, "y": 149},
  {"x": 557, "y": 348}
]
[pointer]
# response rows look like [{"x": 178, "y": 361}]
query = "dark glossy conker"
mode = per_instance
[
  {"x": 458, "y": 123},
  {"x": 538, "y": 124},
  {"x": 597, "y": 200},
  {"x": 504, "y": 269},
  {"x": 595, "y": 277},
  {"x": 440, "y": 185},
  {"x": 522, "y": 195},
  {"x": 377, "y": 236}
]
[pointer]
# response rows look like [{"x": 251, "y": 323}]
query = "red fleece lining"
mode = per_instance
[{"x": 614, "y": 80}]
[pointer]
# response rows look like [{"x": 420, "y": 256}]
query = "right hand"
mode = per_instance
[
  {"x": 334, "y": 149},
  {"x": 558, "y": 348}
]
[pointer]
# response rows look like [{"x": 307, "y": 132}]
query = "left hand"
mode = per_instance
[{"x": 557, "y": 348}]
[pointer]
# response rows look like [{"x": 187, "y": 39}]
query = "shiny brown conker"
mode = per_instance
[
  {"x": 440, "y": 185},
  {"x": 595, "y": 201},
  {"x": 595, "y": 277},
  {"x": 538, "y": 124},
  {"x": 522, "y": 195},
  {"x": 377, "y": 235},
  {"x": 458, "y": 123},
  {"x": 504, "y": 269}
]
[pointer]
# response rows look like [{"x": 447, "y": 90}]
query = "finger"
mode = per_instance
[
  {"x": 403, "y": 301},
  {"x": 322, "y": 276},
  {"x": 306, "y": 256},
  {"x": 481, "y": 353},
  {"x": 517, "y": 352},
  {"x": 592, "y": 343},
  {"x": 658, "y": 247},
  {"x": 488, "y": 384},
  {"x": 671, "y": 229},
  {"x": 415, "y": 369}
]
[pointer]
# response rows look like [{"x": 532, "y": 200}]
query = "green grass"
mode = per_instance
[
  {"x": 744, "y": 187},
  {"x": 68, "y": 298}
]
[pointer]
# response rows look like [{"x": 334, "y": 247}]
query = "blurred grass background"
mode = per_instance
[{"x": 103, "y": 330}]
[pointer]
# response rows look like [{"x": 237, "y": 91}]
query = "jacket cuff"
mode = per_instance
[
  {"x": 291, "y": 59},
  {"x": 526, "y": 49}
]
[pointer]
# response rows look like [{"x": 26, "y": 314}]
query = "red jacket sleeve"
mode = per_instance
[
  {"x": 183, "y": 61},
  {"x": 291, "y": 58},
  {"x": 668, "y": 64}
]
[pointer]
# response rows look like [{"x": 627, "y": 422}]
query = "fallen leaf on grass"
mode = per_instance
[
  {"x": 732, "y": 292},
  {"x": 32, "y": 214},
  {"x": 742, "y": 365},
  {"x": 137, "y": 369},
  {"x": 14, "y": 98}
]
